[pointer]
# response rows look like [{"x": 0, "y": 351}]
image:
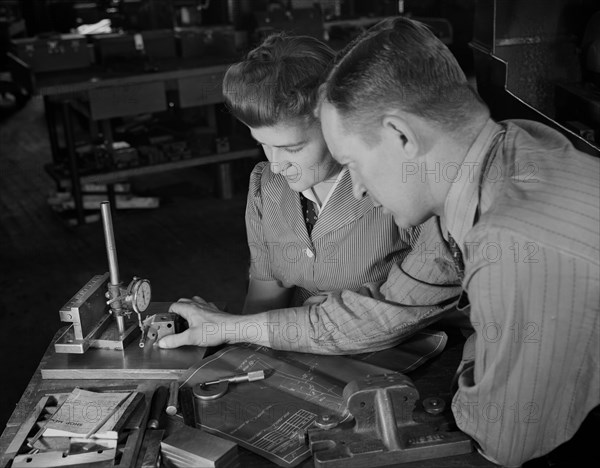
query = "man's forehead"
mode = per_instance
[
  {"x": 329, "y": 112},
  {"x": 333, "y": 130},
  {"x": 331, "y": 121}
]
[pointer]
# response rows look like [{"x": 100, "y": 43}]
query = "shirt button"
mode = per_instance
[{"x": 309, "y": 253}]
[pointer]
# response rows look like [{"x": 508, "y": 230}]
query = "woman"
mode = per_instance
[{"x": 306, "y": 232}]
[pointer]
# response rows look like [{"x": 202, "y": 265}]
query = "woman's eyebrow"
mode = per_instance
[{"x": 291, "y": 145}]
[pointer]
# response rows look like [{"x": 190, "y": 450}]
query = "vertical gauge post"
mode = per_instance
[{"x": 113, "y": 266}]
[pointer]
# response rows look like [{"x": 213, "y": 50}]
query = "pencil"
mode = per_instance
[
  {"x": 36, "y": 437},
  {"x": 107, "y": 417}
]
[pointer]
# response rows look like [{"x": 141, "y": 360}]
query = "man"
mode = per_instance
[{"x": 519, "y": 205}]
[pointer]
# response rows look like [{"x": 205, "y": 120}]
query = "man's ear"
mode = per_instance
[{"x": 400, "y": 130}]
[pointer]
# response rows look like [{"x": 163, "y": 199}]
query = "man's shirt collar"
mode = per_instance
[{"x": 463, "y": 197}]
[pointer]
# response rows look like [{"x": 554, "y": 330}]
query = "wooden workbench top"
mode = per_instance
[{"x": 432, "y": 377}]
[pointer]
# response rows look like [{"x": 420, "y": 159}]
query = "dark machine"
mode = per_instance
[{"x": 541, "y": 67}]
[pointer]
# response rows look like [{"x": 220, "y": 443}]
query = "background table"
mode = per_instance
[{"x": 99, "y": 95}]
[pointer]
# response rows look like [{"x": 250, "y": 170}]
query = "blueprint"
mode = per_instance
[{"x": 270, "y": 416}]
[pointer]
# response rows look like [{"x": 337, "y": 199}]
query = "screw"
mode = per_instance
[{"x": 434, "y": 405}]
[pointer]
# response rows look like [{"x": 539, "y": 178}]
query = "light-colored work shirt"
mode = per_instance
[
  {"x": 525, "y": 211},
  {"x": 381, "y": 314},
  {"x": 353, "y": 242}
]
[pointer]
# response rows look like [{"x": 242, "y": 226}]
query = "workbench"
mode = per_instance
[
  {"x": 432, "y": 377},
  {"x": 99, "y": 94}
]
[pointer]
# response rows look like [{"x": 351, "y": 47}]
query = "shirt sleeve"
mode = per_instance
[
  {"x": 534, "y": 376},
  {"x": 377, "y": 316},
  {"x": 260, "y": 266}
]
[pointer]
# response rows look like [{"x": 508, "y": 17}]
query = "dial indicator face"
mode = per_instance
[{"x": 141, "y": 295}]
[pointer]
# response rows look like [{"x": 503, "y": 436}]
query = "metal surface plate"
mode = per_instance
[{"x": 134, "y": 362}]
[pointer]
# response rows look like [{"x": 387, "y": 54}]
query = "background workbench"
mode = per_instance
[{"x": 99, "y": 94}]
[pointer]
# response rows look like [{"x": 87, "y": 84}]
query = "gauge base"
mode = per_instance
[{"x": 133, "y": 362}]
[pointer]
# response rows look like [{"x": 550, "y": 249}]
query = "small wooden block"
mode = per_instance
[{"x": 199, "y": 448}]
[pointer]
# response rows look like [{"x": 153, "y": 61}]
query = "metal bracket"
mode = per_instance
[
  {"x": 159, "y": 325},
  {"x": 92, "y": 324}
]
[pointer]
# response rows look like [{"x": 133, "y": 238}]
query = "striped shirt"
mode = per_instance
[
  {"x": 311, "y": 195},
  {"x": 525, "y": 212},
  {"x": 379, "y": 314},
  {"x": 352, "y": 243},
  {"x": 530, "y": 239}
]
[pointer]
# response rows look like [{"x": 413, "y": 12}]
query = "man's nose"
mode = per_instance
[{"x": 358, "y": 190}]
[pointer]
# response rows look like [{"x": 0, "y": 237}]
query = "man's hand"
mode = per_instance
[{"x": 205, "y": 322}]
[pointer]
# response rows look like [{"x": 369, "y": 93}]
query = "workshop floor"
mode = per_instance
[{"x": 194, "y": 244}]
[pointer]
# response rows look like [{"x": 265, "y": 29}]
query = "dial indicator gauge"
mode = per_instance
[{"x": 140, "y": 295}]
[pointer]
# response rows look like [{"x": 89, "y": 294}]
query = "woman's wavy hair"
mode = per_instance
[{"x": 279, "y": 80}]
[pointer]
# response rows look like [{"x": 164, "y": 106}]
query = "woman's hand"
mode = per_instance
[{"x": 205, "y": 323}]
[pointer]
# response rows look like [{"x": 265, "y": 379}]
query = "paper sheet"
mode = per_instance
[{"x": 270, "y": 416}]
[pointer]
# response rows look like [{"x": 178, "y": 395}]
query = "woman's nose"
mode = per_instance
[
  {"x": 273, "y": 160},
  {"x": 278, "y": 164},
  {"x": 277, "y": 167}
]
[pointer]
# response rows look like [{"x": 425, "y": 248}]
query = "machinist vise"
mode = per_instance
[{"x": 390, "y": 425}]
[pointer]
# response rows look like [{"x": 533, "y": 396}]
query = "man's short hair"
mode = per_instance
[
  {"x": 399, "y": 63},
  {"x": 278, "y": 80}
]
